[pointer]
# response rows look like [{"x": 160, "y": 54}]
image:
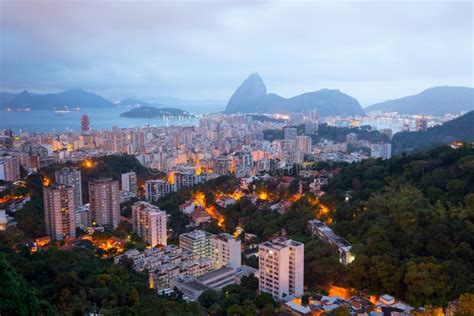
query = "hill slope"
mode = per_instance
[
  {"x": 152, "y": 112},
  {"x": 433, "y": 101},
  {"x": 51, "y": 101},
  {"x": 251, "y": 96},
  {"x": 459, "y": 129}
]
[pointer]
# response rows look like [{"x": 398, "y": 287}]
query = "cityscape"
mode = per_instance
[{"x": 120, "y": 201}]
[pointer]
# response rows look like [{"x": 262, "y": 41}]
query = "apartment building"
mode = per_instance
[
  {"x": 149, "y": 222},
  {"x": 281, "y": 267}
]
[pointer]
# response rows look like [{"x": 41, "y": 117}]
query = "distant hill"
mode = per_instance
[
  {"x": 153, "y": 112},
  {"x": 135, "y": 102},
  {"x": 252, "y": 97},
  {"x": 52, "y": 101},
  {"x": 433, "y": 101},
  {"x": 459, "y": 129}
]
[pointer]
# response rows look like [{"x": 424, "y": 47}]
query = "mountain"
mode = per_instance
[
  {"x": 433, "y": 101},
  {"x": 152, "y": 112},
  {"x": 51, "y": 101},
  {"x": 459, "y": 129},
  {"x": 252, "y": 96}
]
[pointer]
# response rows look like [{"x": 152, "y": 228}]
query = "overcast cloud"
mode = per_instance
[{"x": 203, "y": 49}]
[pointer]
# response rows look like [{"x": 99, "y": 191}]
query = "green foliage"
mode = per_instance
[
  {"x": 409, "y": 218},
  {"x": 15, "y": 296},
  {"x": 74, "y": 282}
]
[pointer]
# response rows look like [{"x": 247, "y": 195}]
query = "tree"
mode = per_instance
[
  {"x": 133, "y": 296},
  {"x": 208, "y": 298},
  {"x": 15, "y": 296}
]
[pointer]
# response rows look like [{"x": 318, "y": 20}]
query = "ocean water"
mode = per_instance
[{"x": 100, "y": 119}]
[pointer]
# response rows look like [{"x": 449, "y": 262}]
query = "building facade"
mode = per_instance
[
  {"x": 129, "y": 182},
  {"x": 149, "y": 222},
  {"x": 71, "y": 177},
  {"x": 104, "y": 200},
  {"x": 59, "y": 212},
  {"x": 197, "y": 242},
  {"x": 226, "y": 251},
  {"x": 281, "y": 267}
]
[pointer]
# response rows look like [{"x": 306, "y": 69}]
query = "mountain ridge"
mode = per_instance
[
  {"x": 432, "y": 101},
  {"x": 252, "y": 96}
]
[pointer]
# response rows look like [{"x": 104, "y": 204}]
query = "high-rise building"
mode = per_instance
[
  {"x": 226, "y": 251},
  {"x": 85, "y": 125},
  {"x": 129, "y": 182},
  {"x": 149, "y": 222},
  {"x": 303, "y": 143},
  {"x": 71, "y": 177},
  {"x": 383, "y": 151},
  {"x": 59, "y": 212},
  {"x": 9, "y": 168},
  {"x": 281, "y": 267},
  {"x": 104, "y": 200},
  {"x": 198, "y": 242},
  {"x": 290, "y": 133}
]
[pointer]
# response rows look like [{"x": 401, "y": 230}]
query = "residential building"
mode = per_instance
[
  {"x": 154, "y": 189},
  {"x": 167, "y": 264},
  {"x": 303, "y": 143},
  {"x": 9, "y": 168},
  {"x": 281, "y": 267},
  {"x": 197, "y": 242},
  {"x": 59, "y": 212},
  {"x": 104, "y": 200},
  {"x": 326, "y": 234},
  {"x": 129, "y": 182},
  {"x": 149, "y": 222},
  {"x": 71, "y": 177},
  {"x": 226, "y": 250}
]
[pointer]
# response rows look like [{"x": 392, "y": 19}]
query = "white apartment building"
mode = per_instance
[
  {"x": 129, "y": 182},
  {"x": 149, "y": 222},
  {"x": 226, "y": 251},
  {"x": 197, "y": 242},
  {"x": 281, "y": 267}
]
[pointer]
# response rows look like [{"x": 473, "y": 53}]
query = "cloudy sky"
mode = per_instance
[{"x": 372, "y": 50}]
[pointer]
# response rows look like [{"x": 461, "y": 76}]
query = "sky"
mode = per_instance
[{"x": 373, "y": 50}]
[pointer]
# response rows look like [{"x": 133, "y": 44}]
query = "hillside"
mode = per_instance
[
  {"x": 152, "y": 112},
  {"x": 252, "y": 97},
  {"x": 459, "y": 129},
  {"x": 433, "y": 101},
  {"x": 409, "y": 219},
  {"x": 52, "y": 101}
]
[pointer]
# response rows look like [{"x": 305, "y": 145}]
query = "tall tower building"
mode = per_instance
[
  {"x": 149, "y": 222},
  {"x": 104, "y": 199},
  {"x": 59, "y": 215},
  {"x": 226, "y": 251},
  {"x": 85, "y": 125},
  {"x": 281, "y": 267},
  {"x": 129, "y": 182},
  {"x": 71, "y": 177}
]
